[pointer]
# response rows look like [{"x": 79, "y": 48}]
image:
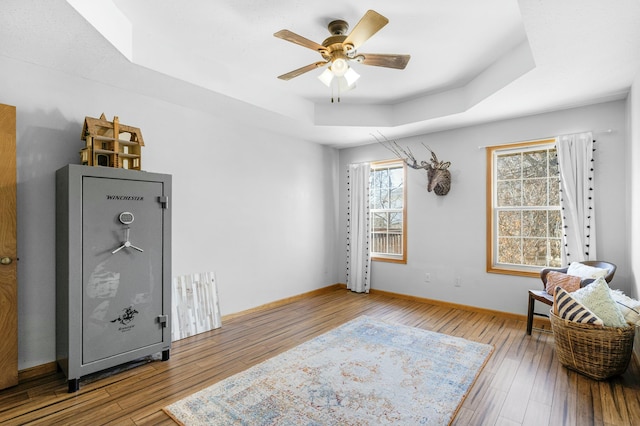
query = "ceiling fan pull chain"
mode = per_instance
[{"x": 332, "y": 85}]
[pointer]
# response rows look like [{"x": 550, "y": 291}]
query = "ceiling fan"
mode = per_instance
[{"x": 339, "y": 48}]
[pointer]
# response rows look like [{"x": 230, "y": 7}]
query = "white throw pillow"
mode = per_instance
[
  {"x": 585, "y": 271},
  {"x": 629, "y": 307},
  {"x": 597, "y": 298}
]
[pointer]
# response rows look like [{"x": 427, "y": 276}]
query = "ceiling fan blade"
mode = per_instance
[
  {"x": 383, "y": 60},
  {"x": 370, "y": 24},
  {"x": 300, "y": 71},
  {"x": 298, "y": 39}
]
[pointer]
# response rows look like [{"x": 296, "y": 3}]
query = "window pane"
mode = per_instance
[
  {"x": 382, "y": 178},
  {"x": 555, "y": 259},
  {"x": 534, "y": 164},
  {"x": 535, "y": 223},
  {"x": 555, "y": 224},
  {"x": 534, "y": 192},
  {"x": 554, "y": 191},
  {"x": 509, "y": 166},
  {"x": 509, "y": 250},
  {"x": 396, "y": 176},
  {"x": 379, "y": 242},
  {"x": 535, "y": 251},
  {"x": 509, "y": 224},
  {"x": 394, "y": 243},
  {"x": 395, "y": 221},
  {"x": 396, "y": 198},
  {"x": 380, "y": 222},
  {"x": 509, "y": 193},
  {"x": 375, "y": 199},
  {"x": 553, "y": 162}
]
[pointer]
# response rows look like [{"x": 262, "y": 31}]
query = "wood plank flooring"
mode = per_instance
[{"x": 522, "y": 384}]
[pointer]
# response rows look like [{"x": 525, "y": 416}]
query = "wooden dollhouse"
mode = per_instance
[{"x": 111, "y": 144}]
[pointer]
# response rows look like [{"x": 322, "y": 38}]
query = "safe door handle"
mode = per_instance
[{"x": 126, "y": 243}]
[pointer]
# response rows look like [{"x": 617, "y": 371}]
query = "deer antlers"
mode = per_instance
[
  {"x": 437, "y": 173},
  {"x": 403, "y": 154}
]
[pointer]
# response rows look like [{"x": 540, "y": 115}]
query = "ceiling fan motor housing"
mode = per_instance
[
  {"x": 338, "y": 27},
  {"x": 335, "y": 43}
]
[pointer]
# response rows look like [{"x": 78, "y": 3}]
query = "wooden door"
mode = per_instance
[{"x": 8, "y": 252}]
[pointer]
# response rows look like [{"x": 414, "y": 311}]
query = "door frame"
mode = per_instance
[{"x": 8, "y": 250}]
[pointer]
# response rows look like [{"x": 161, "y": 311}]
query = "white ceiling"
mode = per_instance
[{"x": 471, "y": 61}]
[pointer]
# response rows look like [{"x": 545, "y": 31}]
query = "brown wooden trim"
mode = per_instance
[
  {"x": 278, "y": 303},
  {"x": 388, "y": 259},
  {"x": 489, "y": 209},
  {"x": 405, "y": 208},
  {"x": 533, "y": 274},
  {"x": 509, "y": 315},
  {"x": 491, "y": 268},
  {"x": 8, "y": 250},
  {"x": 281, "y": 302},
  {"x": 37, "y": 371}
]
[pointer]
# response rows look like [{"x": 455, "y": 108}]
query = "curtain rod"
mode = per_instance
[{"x": 595, "y": 132}]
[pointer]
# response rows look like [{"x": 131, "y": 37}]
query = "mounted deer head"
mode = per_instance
[{"x": 439, "y": 177}]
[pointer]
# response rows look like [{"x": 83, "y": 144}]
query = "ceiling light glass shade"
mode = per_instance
[
  {"x": 343, "y": 85},
  {"x": 346, "y": 80},
  {"x": 339, "y": 67},
  {"x": 326, "y": 77},
  {"x": 351, "y": 76}
]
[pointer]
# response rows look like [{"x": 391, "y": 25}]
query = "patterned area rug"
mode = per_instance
[{"x": 365, "y": 372}]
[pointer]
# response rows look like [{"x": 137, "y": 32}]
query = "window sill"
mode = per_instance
[
  {"x": 514, "y": 271},
  {"x": 389, "y": 259}
]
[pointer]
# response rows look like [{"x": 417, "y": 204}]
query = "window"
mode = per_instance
[
  {"x": 387, "y": 202},
  {"x": 524, "y": 223}
]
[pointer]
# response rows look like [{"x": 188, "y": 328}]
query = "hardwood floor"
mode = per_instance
[{"x": 522, "y": 384}]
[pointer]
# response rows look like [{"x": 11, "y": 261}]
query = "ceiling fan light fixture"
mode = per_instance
[
  {"x": 344, "y": 85},
  {"x": 326, "y": 77},
  {"x": 351, "y": 76},
  {"x": 339, "y": 67}
]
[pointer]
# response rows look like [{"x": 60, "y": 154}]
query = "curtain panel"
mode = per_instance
[
  {"x": 358, "y": 258},
  {"x": 576, "y": 165}
]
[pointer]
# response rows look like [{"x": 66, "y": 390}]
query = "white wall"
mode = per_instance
[
  {"x": 633, "y": 196},
  {"x": 633, "y": 188},
  {"x": 259, "y": 209},
  {"x": 256, "y": 208},
  {"x": 446, "y": 235}
]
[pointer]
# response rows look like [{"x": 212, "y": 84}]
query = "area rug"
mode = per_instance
[{"x": 365, "y": 372}]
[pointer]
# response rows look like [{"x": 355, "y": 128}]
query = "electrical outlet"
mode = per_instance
[
  {"x": 427, "y": 277},
  {"x": 458, "y": 282}
]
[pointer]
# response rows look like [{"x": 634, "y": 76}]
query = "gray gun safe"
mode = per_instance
[{"x": 113, "y": 268}]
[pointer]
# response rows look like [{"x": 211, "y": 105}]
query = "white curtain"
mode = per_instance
[
  {"x": 575, "y": 161},
  {"x": 358, "y": 260}
]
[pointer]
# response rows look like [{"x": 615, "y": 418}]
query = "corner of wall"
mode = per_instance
[{"x": 633, "y": 149}]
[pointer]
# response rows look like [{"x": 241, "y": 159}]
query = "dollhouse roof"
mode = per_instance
[{"x": 102, "y": 127}]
